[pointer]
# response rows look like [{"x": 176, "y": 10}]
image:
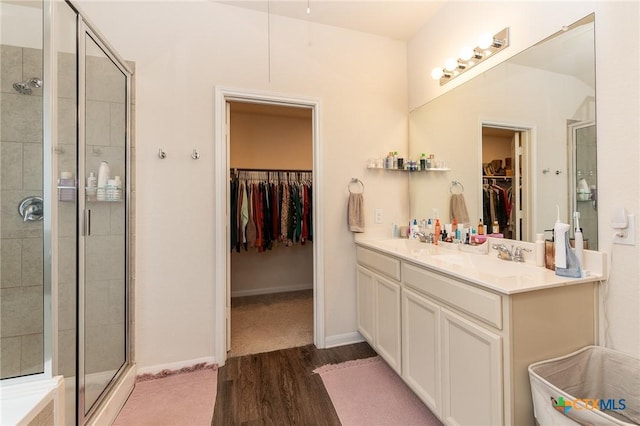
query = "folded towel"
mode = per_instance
[
  {"x": 458, "y": 209},
  {"x": 355, "y": 215}
]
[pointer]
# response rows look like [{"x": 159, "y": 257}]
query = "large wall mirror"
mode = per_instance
[{"x": 524, "y": 129}]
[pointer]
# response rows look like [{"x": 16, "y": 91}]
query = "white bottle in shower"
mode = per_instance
[{"x": 103, "y": 177}]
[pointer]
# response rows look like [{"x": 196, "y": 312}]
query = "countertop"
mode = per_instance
[{"x": 485, "y": 270}]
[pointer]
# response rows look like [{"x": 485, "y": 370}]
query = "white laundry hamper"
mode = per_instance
[{"x": 592, "y": 386}]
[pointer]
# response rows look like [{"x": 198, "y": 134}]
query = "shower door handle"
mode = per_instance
[{"x": 87, "y": 223}]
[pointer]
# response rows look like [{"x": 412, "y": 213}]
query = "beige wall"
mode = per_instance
[
  {"x": 271, "y": 141},
  {"x": 183, "y": 50}
]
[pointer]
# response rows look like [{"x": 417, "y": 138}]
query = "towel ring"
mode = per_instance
[
  {"x": 454, "y": 184},
  {"x": 357, "y": 181}
]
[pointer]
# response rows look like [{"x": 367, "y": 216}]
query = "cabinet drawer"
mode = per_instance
[
  {"x": 378, "y": 262},
  {"x": 481, "y": 304}
]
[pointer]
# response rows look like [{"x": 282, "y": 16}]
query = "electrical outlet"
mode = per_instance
[
  {"x": 626, "y": 236},
  {"x": 377, "y": 216}
]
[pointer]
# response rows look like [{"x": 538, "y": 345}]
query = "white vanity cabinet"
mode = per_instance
[
  {"x": 378, "y": 292},
  {"x": 471, "y": 372},
  {"x": 464, "y": 346},
  {"x": 421, "y": 365}
]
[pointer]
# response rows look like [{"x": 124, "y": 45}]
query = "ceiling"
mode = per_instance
[{"x": 396, "y": 19}]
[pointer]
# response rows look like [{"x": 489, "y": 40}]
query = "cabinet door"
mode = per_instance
[
  {"x": 366, "y": 296},
  {"x": 387, "y": 317},
  {"x": 472, "y": 378},
  {"x": 421, "y": 348}
]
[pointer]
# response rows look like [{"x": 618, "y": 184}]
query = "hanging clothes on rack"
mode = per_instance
[
  {"x": 498, "y": 204},
  {"x": 270, "y": 208}
]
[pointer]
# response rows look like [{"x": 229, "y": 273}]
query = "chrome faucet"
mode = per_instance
[
  {"x": 503, "y": 251},
  {"x": 518, "y": 256},
  {"x": 424, "y": 238}
]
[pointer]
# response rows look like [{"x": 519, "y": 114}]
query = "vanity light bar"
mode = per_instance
[{"x": 487, "y": 46}]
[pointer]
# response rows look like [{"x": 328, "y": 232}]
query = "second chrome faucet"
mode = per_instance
[{"x": 512, "y": 254}]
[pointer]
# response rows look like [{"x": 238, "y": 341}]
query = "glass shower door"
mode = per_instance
[{"x": 103, "y": 341}]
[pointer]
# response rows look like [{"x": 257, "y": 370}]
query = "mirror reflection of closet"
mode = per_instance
[{"x": 505, "y": 181}]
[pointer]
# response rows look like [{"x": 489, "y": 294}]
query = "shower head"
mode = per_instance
[{"x": 26, "y": 87}]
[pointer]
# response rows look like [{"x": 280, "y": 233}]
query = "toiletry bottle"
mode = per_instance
[
  {"x": 540, "y": 250},
  {"x": 459, "y": 232},
  {"x": 454, "y": 229},
  {"x": 395, "y": 160},
  {"x": 92, "y": 185},
  {"x": 480, "y": 227},
  {"x": 578, "y": 240},
  {"x": 92, "y": 181},
  {"x": 388, "y": 161},
  {"x": 103, "y": 176},
  {"x": 413, "y": 230},
  {"x": 437, "y": 232},
  {"x": 496, "y": 227},
  {"x": 423, "y": 161}
]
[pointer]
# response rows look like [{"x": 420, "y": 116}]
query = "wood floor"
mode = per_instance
[{"x": 280, "y": 387}]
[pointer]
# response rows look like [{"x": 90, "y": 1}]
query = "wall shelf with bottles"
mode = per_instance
[{"x": 440, "y": 169}]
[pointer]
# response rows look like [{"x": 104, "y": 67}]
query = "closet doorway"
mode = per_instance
[
  {"x": 506, "y": 183},
  {"x": 271, "y": 260}
]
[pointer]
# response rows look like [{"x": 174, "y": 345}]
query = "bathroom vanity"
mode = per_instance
[{"x": 461, "y": 328}]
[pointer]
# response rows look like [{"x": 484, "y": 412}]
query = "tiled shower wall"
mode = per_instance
[{"x": 21, "y": 269}]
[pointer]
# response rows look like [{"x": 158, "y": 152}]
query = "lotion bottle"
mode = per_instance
[{"x": 480, "y": 228}]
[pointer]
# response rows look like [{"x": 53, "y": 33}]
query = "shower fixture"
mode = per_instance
[{"x": 27, "y": 86}]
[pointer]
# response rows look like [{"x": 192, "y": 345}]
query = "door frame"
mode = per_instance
[
  {"x": 221, "y": 224},
  {"x": 528, "y": 144}
]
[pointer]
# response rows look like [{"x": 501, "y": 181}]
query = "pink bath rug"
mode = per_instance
[{"x": 368, "y": 392}]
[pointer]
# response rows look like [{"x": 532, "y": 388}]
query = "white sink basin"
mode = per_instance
[{"x": 488, "y": 265}]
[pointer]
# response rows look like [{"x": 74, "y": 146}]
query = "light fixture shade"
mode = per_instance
[
  {"x": 466, "y": 53},
  {"x": 450, "y": 64},
  {"x": 485, "y": 41},
  {"x": 437, "y": 73},
  {"x": 470, "y": 57}
]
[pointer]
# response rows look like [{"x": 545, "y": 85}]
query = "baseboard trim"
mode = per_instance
[
  {"x": 343, "y": 339},
  {"x": 172, "y": 366},
  {"x": 270, "y": 290}
]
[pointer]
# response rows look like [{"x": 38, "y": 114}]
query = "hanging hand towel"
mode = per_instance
[
  {"x": 458, "y": 209},
  {"x": 356, "y": 212}
]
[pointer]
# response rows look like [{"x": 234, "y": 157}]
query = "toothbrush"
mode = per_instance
[{"x": 579, "y": 242}]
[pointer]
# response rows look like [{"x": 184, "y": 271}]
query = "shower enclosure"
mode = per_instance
[{"x": 65, "y": 110}]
